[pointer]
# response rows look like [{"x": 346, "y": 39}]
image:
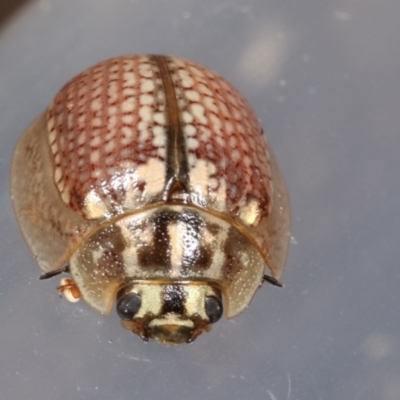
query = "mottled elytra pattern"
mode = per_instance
[
  {"x": 107, "y": 134},
  {"x": 121, "y": 137},
  {"x": 226, "y": 151}
]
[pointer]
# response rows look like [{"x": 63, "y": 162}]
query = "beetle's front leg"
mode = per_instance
[{"x": 70, "y": 290}]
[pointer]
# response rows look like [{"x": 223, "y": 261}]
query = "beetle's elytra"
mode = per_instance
[{"x": 149, "y": 180}]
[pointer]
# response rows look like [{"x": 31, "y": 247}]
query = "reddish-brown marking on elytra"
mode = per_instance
[
  {"x": 125, "y": 129},
  {"x": 103, "y": 125},
  {"x": 225, "y": 132}
]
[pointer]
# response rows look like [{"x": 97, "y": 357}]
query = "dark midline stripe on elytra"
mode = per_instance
[{"x": 177, "y": 165}]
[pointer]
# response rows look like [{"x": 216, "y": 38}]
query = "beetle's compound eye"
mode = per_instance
[
  {"x": 128, "y": 306},
  {"x": 213, "y": 308}
]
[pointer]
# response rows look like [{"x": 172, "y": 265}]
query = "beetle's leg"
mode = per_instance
[
  {"x": 50, "y": 274},
  {"x": 144, "y": 335},
  {"x": 70, "y": 290},
  {"x": 271, "y": 280}
]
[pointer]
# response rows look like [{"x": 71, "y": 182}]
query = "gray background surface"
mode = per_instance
[{"x": 323, "y": 76}]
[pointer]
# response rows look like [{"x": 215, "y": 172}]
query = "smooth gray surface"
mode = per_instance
[{"x": 323, "y": 77}]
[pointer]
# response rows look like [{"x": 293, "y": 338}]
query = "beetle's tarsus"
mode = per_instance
[
  {"x": 272, "y": 281},
  {"x": 51, "y": 274}
]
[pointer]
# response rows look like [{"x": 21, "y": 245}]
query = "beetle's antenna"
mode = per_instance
[
  {"x": 272, "y": 281},
  {"x": 51, "y": 274}
]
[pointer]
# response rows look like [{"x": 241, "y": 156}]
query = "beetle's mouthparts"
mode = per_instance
[{"x": 173, "y": 330}]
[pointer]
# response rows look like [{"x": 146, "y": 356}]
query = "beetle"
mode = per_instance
[{"x": 150, "y": 182}]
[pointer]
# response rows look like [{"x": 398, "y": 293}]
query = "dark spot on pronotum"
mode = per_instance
[{"x": 157, "y": 254}]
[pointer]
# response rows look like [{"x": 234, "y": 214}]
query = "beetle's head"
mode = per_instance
[{"x": 169, "y": 313}]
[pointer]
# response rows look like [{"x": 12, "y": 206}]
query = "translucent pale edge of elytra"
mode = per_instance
[
  {"x": 51, "y": 229},
  {"x": 273, "y": 232}
]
